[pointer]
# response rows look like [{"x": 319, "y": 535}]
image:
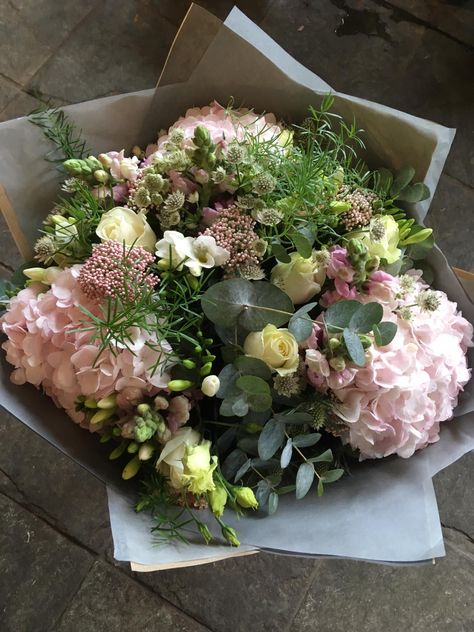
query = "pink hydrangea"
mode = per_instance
[
  {"x": 223, "y": 125},
  {"x": 396, "y": 402},
  {"x": 47, "y": 350}
]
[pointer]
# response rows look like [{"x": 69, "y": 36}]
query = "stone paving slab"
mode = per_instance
[
  {"x": 40, "y": 571},
  {"x": 431, "y": 598},
  {"x": 108, "y": 601}
]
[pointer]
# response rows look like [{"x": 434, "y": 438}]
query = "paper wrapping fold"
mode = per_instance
[{"x": 387, "y": 510}]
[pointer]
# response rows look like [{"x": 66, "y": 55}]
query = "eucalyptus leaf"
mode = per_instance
[
  {"x": 354, "y": 347},
  {"x": 272, "y": 503},
  {"x": 226, "y": 408},
  {"x": 301, "y": 327},
  {"x": 240, "y": 407},
  {"x": 332, "y": 475},
  {"x": 249, "y": 445},
  {"x": 286, "y": 454},
  {"x": 252, "y": 366},
  {"x": 250, "y": 304},
  {"x": 303, "y": 246},
  {"x": 304, "y": 480},
  {"x": 243, "y": 469},
  {"x": 270, "y": 439},
  {"x": 280, "y": 253},
  {"x": 325, "y": 457},
  {"x": 263, "y": 493},
  {"x": 402, "y": 179},
  {"x": 260, "y": 403},
  {"x": 232, "y": 463},
  {"x": 338, "y": 315},
  {"x": 294, "y": 418},
  {"x": 227, "y": 378},
  {"x": 414, "y": 193},
  {"x": 253, "y": 385},
  {"x": 366, "y": 317},
  {"x": 384, "y": 333},
  {"x": 306, "y": 440}
]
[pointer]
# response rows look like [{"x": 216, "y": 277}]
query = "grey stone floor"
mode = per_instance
[{"x": 56, "y": 566}]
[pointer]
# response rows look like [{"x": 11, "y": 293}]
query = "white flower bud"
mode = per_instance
[{"x": 210, "y": 385}]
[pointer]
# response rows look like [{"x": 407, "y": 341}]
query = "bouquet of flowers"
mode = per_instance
[{"x": 241, "y": 310}]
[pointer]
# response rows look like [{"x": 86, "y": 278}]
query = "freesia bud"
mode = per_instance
[
  {"x": 210, "y": 385},
  {"x": 145, "y": 452},
  {"x": 179, "y": 385}
]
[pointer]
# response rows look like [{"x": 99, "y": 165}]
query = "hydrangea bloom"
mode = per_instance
[
  {"x": 395, "y": 403},
  {"x": 47, "y": 351},
  {"x": 223, "y": 126}
]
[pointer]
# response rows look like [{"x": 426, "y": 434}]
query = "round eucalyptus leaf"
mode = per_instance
[
  {"x": 304, "y": 480},
  {"x": 354, "y": 347},
  {"x": 366, "y": 317},
  {"x": 402, "y": 179}
]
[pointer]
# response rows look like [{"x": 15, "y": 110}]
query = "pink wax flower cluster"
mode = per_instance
[
  {"x": 50, "y": 348},
  {"x": 116, "y": 270},
  {"x": 395, "y": 403}
]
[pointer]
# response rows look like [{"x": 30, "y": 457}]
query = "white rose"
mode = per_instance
[
  {"x": 125, "y": 226},
  {"x": 276, "y": 347},
  {"x": 170, "y": 461},
  {"x": 301, "y": 278}
]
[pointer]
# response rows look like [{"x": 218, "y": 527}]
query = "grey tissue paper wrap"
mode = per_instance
[{"x": 386, "y": 511}]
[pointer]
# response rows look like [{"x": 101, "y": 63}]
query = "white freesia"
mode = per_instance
[
  {"x": 175, "y": 251},
  {"x": 127, "y": 227},
  {"x": 206, "y": 254},
  {"x": 210, "y": 385},
  {"x": 170, "y": 461}
]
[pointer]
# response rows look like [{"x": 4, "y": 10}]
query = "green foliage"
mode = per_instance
[{"x": 57, "y": 128}]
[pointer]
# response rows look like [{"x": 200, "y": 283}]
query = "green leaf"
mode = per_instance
[
  {"x": 279, "y": 252},
  {"x": 260, "y": 403},
  {"x": 338, "y": 315},
  {"x": 320, "y": 488},
  {"x": 325, "y": 457},
  {"x": 252, "y": 366},
  {"x": 384, "y": 333},
  {"x": 270, "y": 439},
  {"x": 301, "y": 327},
  {"x": 306, "y": 440},
  {"x": 240, "y": 407},
  {"x": 354, "y": 347},
  {"x": 384, "y": 181},
  {"x": 304, "y": 480},
  {"x": 293, "y": 418},
  {"x": 253, "y": 385},
  {"x": 227, "y": 379},
  {"x": 249, "y": 445},
  {"x": 243, "y": 469},
  {"x": 263, "y": 493},
  {"x": 303, "y": 246},
  {"x": 366, "y": 317},
  {"x": 232, "y": 463},
  {"x": 286, "y": 454},
  {"x": 250, "y": 304},
  {"x": 403, "y": 179},
  {"x": 272, "y": 503},
  {"x": 332, "y": 475},
  {"x": 414, "y": 193}
]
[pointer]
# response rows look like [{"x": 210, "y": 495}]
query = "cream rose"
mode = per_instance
[
  {"x": 301, "y": 278},
  {"x": 125, "y": 226},
  {"x": 381, "y": 239},
  {"x": 276, "y": 347},
  {"x": 170, "y": 461}
]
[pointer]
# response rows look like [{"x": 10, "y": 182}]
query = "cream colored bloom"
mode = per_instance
[
  {"x": 385, "y": 247},
  {"x": 210, "y": 385},
  {"x": 199, "y": 467},
  {"x": 175, "y": 251},
  {"x": 170, "y": 461},
  {"x": 206, "y": 254},
  {"x": 125, "y": 226},
  {"x": 276, "y": 347},
  {"x": 301, "y": 278}
]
